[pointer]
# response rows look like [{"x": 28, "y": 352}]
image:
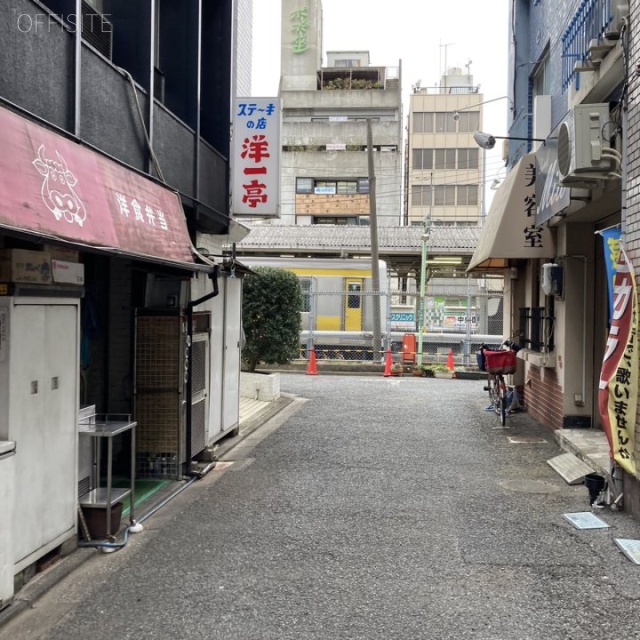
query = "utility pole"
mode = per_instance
[
  {"x": 375, "y": 266},
  {"x": 426, "y": 233}
]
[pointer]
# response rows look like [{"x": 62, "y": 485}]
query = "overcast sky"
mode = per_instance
[{"x": 426, "y": 36}]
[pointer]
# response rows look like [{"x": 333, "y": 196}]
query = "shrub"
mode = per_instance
[{"x": 271, "y": 306}]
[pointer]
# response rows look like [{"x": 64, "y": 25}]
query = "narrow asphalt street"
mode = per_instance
[{"x": 369, "y": 508}]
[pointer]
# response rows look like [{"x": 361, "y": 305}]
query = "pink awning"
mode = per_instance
[{"x": 54, "y": 187}]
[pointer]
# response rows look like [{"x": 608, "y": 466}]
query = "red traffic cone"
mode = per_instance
[
  {"x": 388, "y": 364},
  {"x": 312, "y": 367},
  {"x": 451, "y": 365}
]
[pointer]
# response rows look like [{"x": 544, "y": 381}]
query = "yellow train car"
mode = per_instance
[{"x": 337, "y": 293}]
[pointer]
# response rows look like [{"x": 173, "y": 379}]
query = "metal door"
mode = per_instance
[
  {"x": 199, "y": 388},
  {"x": 353, "y": 305},
  {"x": 43, "y": 397}
]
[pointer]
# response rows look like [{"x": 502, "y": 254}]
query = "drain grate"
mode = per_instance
[
  {"x": 585, "y": 520},
  {"x": 630, "y": 548}
]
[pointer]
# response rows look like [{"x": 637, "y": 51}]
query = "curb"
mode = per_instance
[
  {"x": 43, "y": 582},
  {"x": 67, "y": 564}
]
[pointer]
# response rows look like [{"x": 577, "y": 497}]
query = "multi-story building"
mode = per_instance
[
  {"x": 243, "y": 47},
  {"x": 114, "y": 129},
  {"x": 328, "y": 113},
  {"x": 444, "y": 172},
  {"x": 564, "y": 225}
]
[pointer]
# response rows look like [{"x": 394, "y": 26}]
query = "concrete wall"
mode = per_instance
[
  {"x": 299, "y": 63},
  {"x": 631, "y": 221},
  {"x": 260, "y": 386}
]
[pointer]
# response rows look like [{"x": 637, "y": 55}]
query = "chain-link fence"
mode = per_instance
[{"x": 339, "y": 325}]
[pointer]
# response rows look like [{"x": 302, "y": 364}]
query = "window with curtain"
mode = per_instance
[
  {"x": 423, "y": 122},
  {"x": 445, "y": 159},
  {"x": 445, "y": 122},
  {"x": 304, "y": 185},
  {"x": 468, "y": 121},
  {"x": 467, "y": 195},
  {"x": 422, "y": 159},
  {"x": 421, "y": 195},
  {"x": 468, "y": 158},
  {"x": 444, "y": 195}
]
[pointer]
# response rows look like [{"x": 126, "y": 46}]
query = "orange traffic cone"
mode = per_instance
[
  {"x": 388, "y": 364},
  {"x": 312, "y": 367},
  {"x": 451, "y": 365}
]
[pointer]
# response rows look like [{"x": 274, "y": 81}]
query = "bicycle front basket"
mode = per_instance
[{"x": 503, "y": 362}]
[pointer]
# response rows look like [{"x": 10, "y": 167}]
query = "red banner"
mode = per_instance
[
  {"x": 618, "y": 387},
  {"x": 54, "y": 186}
]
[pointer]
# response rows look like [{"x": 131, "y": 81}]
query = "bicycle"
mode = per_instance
[{"x": 497, "y": 364}]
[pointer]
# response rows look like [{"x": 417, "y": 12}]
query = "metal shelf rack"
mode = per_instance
[{"x": 108, "y": 427}]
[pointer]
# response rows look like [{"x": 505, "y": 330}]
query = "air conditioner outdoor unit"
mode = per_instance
[
  {"x": 619, "y": 12},
  {"x": 584, "y": 155}
]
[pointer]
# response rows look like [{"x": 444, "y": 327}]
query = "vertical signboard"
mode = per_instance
[
  {"x": 256, "y": 157},
  {"x": 611, "y": 245},
  {"x": 618, "y": 386}
]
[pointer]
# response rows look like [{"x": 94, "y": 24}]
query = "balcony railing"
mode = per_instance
[{"x": 590, "y": 22}]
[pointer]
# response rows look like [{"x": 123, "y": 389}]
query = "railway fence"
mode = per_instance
[{"x": 338, "y": 325}]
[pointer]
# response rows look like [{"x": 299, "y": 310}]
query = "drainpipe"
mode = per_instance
[{"x": 190, "y": 305}]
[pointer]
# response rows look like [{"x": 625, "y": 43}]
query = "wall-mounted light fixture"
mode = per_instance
[{"x": 487, "y": 141}]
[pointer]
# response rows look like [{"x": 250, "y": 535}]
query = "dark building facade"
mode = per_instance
[
  {"x": 114, "y": 135},
  {"x": 94, "y": 82}
]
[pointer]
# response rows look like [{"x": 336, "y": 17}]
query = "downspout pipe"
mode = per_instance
[{"x": 188, "y": 417}]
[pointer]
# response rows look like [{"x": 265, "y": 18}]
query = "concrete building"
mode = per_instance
[
  {"x": 444, "y": 175},
  {"x": 326, "y": 111},
  {"x": 242, "y": 50},
  {"x": 114, "y": 126},
  {"x": 559, "y": 224}
]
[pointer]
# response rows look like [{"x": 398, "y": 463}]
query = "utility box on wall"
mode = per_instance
[{"x": 552, "y": 279}]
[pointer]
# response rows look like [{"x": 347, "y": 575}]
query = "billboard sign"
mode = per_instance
[{"x": 256, "y": 157}]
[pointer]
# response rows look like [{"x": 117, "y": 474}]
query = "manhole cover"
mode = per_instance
[
  {"x": 526, "y": 440},
  {"x": 522, "y": 485}
]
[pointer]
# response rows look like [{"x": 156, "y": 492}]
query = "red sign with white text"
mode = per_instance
[{"x": 53, "y": 186}]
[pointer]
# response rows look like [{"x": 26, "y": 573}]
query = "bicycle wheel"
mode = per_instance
[{"x": 502, "y": 400}]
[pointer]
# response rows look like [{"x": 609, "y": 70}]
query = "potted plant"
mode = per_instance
[
  {"x": 422, "y": 371},
  {"x": 441, "y": 371}
]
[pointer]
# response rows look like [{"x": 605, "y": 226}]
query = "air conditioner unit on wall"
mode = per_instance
[
  {"x": 584, "y": 155},
  {"x": 619, "y": 12}
]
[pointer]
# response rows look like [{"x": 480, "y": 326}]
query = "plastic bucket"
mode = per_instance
[{"x": 595, "y": 484}]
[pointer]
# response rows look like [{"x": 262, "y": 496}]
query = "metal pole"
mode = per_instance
[
  {"x": 467, "y": 339},
  {"x": 426, "y": 230},
  {"x": 375, "y": 267}
]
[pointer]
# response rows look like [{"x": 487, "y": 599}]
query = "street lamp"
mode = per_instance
[
  {"x": 487, "y": 141},
  {"x": 426, "y": 234},
  {"x": 456, "y": 113}
]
